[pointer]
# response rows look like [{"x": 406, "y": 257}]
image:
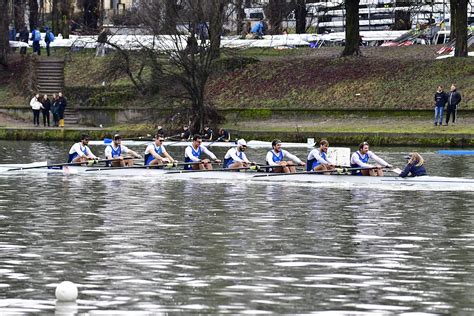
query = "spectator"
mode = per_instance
[
  {"x": 185, "y": 134},
  {"x": 440, "y": 98},
  {"x": 454, "y": 98},
  {"x": 101, "y": 41},
  {"x": 46, "y": 108},
  {"x": 55, "y": 110},
  {"x": 48, "y": 39},
  {"x": 160, "y": 130},
  {"x": 208, "y": 134},
  {"x": 246, "y": 27},
  {"x": 224, "y": 136},
  {"x": 258, "y": 29},
  {"x": 62, "y": 103},
  {"x": 36, "y": 106},
  {"x": 24, "y": 36},
  {"x": 36, "y": 38}
]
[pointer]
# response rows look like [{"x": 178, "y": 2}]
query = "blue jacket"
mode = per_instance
[
  {"x": 414, "y": 170},
  {"x": 258, "y": 28}
]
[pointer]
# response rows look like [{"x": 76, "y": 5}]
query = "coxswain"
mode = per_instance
[
  {"x": 208, "y": 134},
  {"x": 156, "y": 154},
  {"x": 117, "y": 151},
  {"x": 318, "y": 159},
  {"x": 360, "y": 159},
  {"x": 415, "y": 166},
  {"x": 80, "y": 152},
  {"x": 224, "y": 136},
  {"x": 185, "y": 134},
  {"x": 275, "y": 158},
  {"x": 235, "y": 157},
  {"x": 193, "y": 154}
]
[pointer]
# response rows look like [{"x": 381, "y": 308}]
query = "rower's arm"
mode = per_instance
[
  {"x": 165, "y": 153},
  {"x": 89, "y": 153},
  {"x": 208, "y": 152},
  {"x": 355, "y": 160},
  {"x": 108, "y": 152},
  {"x": 292, "y": 157},
  {"x": 378, "y": 159}
]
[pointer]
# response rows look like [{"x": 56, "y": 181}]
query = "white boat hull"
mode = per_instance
[
  {"x": 424, "y": 183},
  {"x": 250, "y": 144}
]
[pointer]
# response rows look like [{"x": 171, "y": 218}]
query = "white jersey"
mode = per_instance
[
  {"x": 358, "y": 159},
  {"x": 156, "y": 149},
  {"x": 273, "y": 158},
  {"x": 317, "y": 155},
  {"x": 108, "y": 150},
  {"x": 190, "y": 153},
  {"x": 82, "y": 151},
  {"x": 233, "y": 154}
]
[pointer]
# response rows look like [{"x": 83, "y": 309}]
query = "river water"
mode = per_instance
[{"x": 136, "y": 246}]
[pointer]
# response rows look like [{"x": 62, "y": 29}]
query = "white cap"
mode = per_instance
[{"x": 241, "y": 142}]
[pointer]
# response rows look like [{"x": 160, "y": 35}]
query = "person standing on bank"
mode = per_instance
[
  {"x": 24, "y": 36},
  {"x": 36, "y": 106},
  {"x": 440, "y": 98},
  {"x": 36, "y": 38},
  {"x": 55, "y": 110},
  {"x": 46, "y": 108},
  {"x": 62, "y": 103},
  {"x": 454, "y": 98},
  {"x": 48, "y": 39}
]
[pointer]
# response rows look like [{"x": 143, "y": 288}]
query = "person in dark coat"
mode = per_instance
[
  {"x": 440, "y": 98},
  {"x": 48, "y": 39},
  {"x": 208, "y": 134},
  {"x": 414, "y": 167},
  {"x": 46, "y": 109},
  {"x": 454, "y": 98},
  {"x": 36, "y": 38},
  {"x": 62, "y": 103},
  {"x": 55, "y": 110},
  {"x": 24, "y": 36}
]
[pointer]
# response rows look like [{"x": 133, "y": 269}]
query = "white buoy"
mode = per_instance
[{"x": 66, "y": 291}]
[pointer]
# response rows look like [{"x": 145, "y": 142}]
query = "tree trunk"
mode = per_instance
[
  {"x": 452, "y": 9},
  {"x": 460, "y": 20},
  {"x": 300, "y": 15},
  {"x": 91, "y": 8},
  {"x": 239, "y": 7},
  {"x": 171, "y": 15},
  {"x": 19, "y": 18},
  {"x": 352, "y": 28},
  {"x": 33, "y": 20},
  {"x": 274, "y": 11},
  {"x": 55, "y": 17},
  {"x": 4, "y": 45},
  {"x": 216, "y": 22},
  {"x": 65, "y": 17}
]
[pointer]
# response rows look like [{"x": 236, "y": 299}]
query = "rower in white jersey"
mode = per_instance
[
  {"x": 156, "y": 154},
  {"x": 117, "y": 151},
  {"x": 193, "y": 154},
  {"x": 360, "y": 159},
  {"x": 318, "y": 159},
  {"x": 80, "y": 152},
  {"x": 277, "y": 154},
  {"x": 235, "y": 157}
]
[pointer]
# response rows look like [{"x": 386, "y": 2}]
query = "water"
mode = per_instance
[{"x": 141, "y": 245}]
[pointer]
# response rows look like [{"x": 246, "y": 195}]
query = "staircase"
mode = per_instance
[{"x": 50, "y": 79}]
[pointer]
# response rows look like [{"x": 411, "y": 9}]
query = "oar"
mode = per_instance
[
  {"x": 147, "y": 137},
  {"x": 339, "y": 170},
  {"x": 218, "y": 169},
  {"x": 63, "y": 164}
]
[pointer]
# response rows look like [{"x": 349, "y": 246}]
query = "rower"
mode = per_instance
[
  {"x": 224, "y": 136},
  {"x": 80, "y": 152},
  {"x": 185, "y": 134},
  {"x": 193, "y": 154},
  {"x": 415, "y": 166},
  {"x": 318, "y": 159},
  {"x": 275, "y": 158},
  {"x": 235, "y": 157},
  {"x": 116, "y": 150},
  {"x": 360, "y": 159},
  {"x": 156, "y": 154}
]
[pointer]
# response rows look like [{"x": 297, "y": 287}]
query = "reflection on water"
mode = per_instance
[{"x": 148, "y": 246}]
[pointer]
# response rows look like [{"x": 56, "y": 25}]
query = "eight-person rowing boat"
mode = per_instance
[{"x": 280, "y": 167}]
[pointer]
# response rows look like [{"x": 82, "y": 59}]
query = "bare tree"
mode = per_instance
[
  {"x": 90, "y": 9},
  {"x": 276, "y": 11},
  {"x": 4, "y": 45},
  {"x": 459, "y": 22},
  {"x": 19, "y": 7},
  {"x": 65, "y": 11},
  {"x": 352, "y": 28},
  {"x": 300, "y": 16},
  {"x": 33, "y": 18},
  {"x": 55, "y": 17}
]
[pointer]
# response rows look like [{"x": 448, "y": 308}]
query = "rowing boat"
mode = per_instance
[
  {"x": 430, "y": 183},
  {"x": 250, "y": 144}
]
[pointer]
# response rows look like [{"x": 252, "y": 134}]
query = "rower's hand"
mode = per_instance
[
  {"x": 283, "y": 164},
  {"x": 139, "y": 157},
  {"x": 218, "y": 161},
  {"x": 389, "y": 166},
  {"x": 302, "y": 163}
]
